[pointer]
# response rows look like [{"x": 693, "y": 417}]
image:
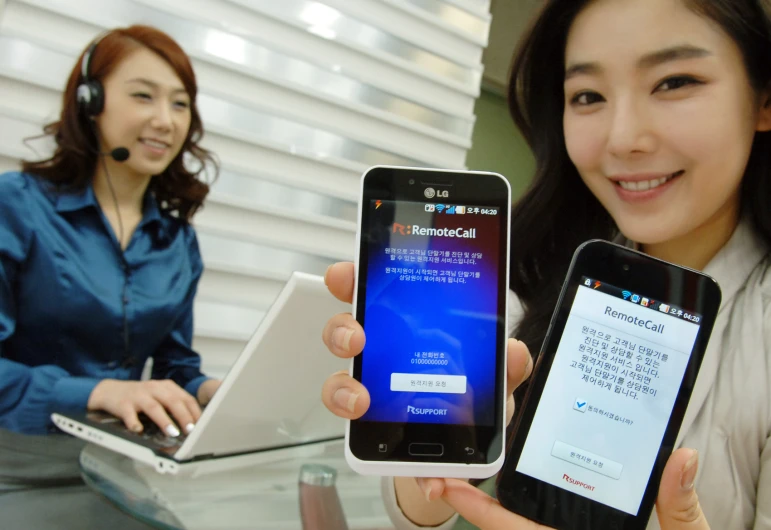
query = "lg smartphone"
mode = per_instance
[
  {"x": 432, "y": 273},
  {"x": 609, "y": 390}
]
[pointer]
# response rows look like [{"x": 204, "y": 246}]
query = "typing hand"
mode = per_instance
[
  {"x": 159, "y": 400},
  {"x": 207, "y": 389}
]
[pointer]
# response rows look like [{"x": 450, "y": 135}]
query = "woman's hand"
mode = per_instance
[
  {"x": 157, "y": 399},
  {"x": 206, "y": 390},
  {"x": 348, "y": 398},
  {"x": 677, "y": 506}
]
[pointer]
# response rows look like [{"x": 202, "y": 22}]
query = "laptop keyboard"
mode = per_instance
[{"x": 151, "y": 434}]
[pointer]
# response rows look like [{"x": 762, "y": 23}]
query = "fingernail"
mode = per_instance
[
  {"x": 137, "y": 427},
  {"x": 341, "y": 338},
  {"x": 345, "y": 399},
  {"x": 426, "y": 488},
  {"x": 189, "y": 427},
  {"x": 325, "y": 274},
  {"x": 689, "y": 472},
  {"x": 172, "y": 431}
]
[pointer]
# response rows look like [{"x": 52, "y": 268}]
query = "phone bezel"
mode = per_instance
[
  {"x": 639, "y": 273},
  {"x": 479, "y": 189}
]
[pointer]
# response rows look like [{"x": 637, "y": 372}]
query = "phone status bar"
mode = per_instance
[
  {"x": 638, "y": 299},
  {"x": 450, "y": 209},
  {"x": 454, "y": 209}
]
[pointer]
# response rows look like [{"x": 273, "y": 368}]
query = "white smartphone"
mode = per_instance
[{"x": 432, "y": 277}]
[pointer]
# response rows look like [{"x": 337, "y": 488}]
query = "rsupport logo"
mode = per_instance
[
  {"x": 578, "y": 483},
  {"x": 415, "y": 230},
  {"x": 426, "y": 412}
]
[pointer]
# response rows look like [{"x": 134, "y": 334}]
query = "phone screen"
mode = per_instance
[
  {"x": 609, "y": 394},
  {"x": 432, "y": 313}
]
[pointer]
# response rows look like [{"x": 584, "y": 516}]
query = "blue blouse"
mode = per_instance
[{"x": 74, "y": 309}]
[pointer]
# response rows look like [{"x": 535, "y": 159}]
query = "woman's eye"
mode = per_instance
[
  {"x": 673, "y": 83},
  {"x": 586, "y": 98},
  {"x": 181, "y": 104},
  {"x": 142, "y": 95}
]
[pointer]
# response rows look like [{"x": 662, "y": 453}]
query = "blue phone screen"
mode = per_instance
[{"x": 431, "y": 312}]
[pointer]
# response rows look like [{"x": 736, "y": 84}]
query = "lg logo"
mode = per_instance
[{"x": 430, "y": 193}]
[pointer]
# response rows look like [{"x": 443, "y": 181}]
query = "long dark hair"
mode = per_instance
[
  {"x": 178, "y": 189},
  {"x": 558, "y": 212}
]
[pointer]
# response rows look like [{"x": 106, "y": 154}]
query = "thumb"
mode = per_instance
[{"x": 678, "y": 505}]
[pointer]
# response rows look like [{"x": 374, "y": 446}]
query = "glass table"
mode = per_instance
[{"x": 252, "y": 491}]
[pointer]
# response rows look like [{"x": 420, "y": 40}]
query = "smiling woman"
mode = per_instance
[
  {"x": 99, "y": 264},
  {"x": 649, "y": 121},
  {"x": 135, "y": 68},
  {"x": 661, "y": 138}
]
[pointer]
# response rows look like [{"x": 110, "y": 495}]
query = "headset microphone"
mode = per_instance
[{"x": 120, "y": 154}]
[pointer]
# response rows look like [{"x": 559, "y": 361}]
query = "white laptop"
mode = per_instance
[{"x": 270, "y": 398}]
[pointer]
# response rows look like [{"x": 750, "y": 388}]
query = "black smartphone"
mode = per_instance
[
  {"x": 431, "y": 293},
  {"x": 609, "y": 390}
]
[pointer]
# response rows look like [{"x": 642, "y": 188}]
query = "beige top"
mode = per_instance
[{"x": 728, "y": 419}]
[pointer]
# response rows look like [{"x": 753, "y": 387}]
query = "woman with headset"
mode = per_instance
[
  {"x": 98, "y": 261},
  {"x": 650, "y": 121}
]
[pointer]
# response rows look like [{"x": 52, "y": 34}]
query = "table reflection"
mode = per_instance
[{"x": 257, "y": 491}]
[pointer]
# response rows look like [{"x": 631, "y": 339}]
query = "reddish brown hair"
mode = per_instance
[{"x": 178, "y": 189}]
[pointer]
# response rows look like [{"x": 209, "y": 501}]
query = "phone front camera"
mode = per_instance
[
  {"x": 625, "y": 267},
  {"x": 412, "y": 181}
]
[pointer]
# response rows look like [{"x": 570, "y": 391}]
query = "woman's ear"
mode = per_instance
[{"x": 764, "y": 113}]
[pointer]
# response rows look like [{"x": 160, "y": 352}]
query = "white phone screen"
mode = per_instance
[{"x": 609, "y": 395}]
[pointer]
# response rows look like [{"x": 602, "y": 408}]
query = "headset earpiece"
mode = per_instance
[
  {"x": 91, "y": 97},
  {"x": 90, "y": 93}
]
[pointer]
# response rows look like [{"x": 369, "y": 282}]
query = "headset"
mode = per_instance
[
  {"x": 90, "y": 100},
  {"x": 90, "y": 93}
]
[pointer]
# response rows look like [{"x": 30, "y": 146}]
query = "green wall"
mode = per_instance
[{"x": 497, "y": 144}]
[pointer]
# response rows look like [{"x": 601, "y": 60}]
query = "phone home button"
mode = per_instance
[{"x": 423, "y": 449}]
